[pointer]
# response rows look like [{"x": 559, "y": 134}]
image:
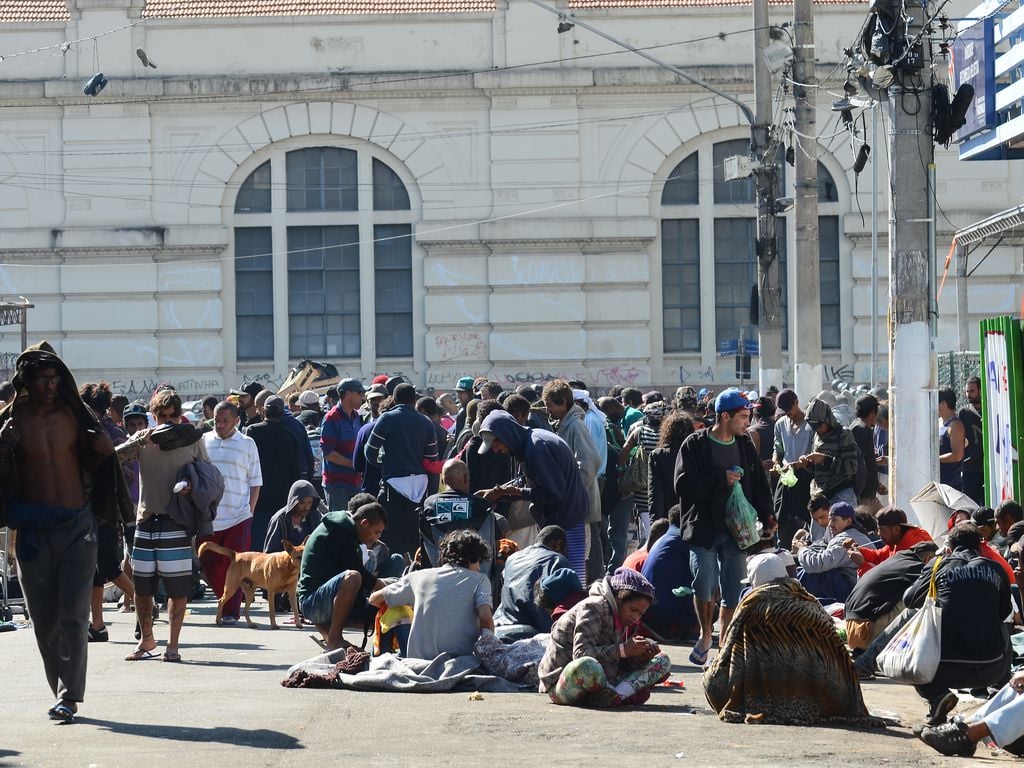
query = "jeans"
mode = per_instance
[
  {"x": 618, "y": 532},
  {"x": 338, "y": 497},
  {"x": 723, "y": 563},
  {"x": 1004, "y": 716}
]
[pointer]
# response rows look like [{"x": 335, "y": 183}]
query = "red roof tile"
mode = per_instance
[
  {"x": 190, "y": 9},
  {"x": 34, "y": 10}
]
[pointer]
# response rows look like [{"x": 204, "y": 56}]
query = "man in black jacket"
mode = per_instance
[
  {"x": 974, "y": 595},
  {"x": 877, "y": 597},
  {"x": 709, "y": 463}
]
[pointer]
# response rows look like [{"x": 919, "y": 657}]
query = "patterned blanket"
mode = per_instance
[{"x": 782, "y": 662}]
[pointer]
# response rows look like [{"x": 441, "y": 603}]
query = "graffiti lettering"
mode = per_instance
[
  {"x": 700, "y": 375},
  {"x": 842, "y": 372},
  {"x": 625, "y": 377},
  {"x": 528, "y": 377},
  {"x": 461, "y": 346}
]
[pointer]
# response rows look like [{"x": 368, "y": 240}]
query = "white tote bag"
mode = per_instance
[{"x": 913, "y": 654}]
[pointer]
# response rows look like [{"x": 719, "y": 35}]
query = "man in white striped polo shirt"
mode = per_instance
[{"x": 238, "y": 460}]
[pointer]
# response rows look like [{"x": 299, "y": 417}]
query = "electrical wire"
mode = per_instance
[
  {"x": 989, "y": 253},
  {"x": 64, "y": 46}
]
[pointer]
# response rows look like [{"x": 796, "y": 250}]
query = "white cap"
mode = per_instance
[
  {"x": 763, "y": 568},
  {"x": 309, "y": 397}
]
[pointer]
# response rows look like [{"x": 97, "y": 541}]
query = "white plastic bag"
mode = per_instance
[{"x": 913, "y": 654}]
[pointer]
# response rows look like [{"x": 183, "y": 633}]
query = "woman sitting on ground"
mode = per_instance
[
  {"x": 595, "y": 658},
  {"x": 782, "y": 661}
]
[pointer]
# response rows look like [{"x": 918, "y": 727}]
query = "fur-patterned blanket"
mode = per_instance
[{"x": 782, "y": 662}]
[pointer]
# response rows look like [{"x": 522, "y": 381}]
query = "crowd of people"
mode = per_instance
[{"x": 511, "y": 513}]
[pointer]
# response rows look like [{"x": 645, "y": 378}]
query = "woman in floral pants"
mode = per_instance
[{"x": 595, "y": 658}]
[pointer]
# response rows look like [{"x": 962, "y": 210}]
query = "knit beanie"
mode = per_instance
[{"x": 634, "y": 581}]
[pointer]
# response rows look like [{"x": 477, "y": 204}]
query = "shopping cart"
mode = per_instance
[{"x": 11, "y": 598}]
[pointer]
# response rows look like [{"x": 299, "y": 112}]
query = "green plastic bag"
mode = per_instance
[
  {"x": 741, "y": 518},
  {"x": 788, "y": 477}
]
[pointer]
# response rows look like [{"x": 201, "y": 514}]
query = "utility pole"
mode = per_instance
[
  {"x": 764, "y": 149},
  {"x": 912, "y": 421},
  {"x": 805, "y": 341}
]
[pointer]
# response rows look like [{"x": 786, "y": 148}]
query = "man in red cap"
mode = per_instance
[{"x": 897, "y": 534}]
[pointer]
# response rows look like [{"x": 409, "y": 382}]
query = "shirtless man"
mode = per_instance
[{"x": 41, "y": 442}]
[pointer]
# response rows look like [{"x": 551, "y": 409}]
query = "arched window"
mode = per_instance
[
  {"x": 325, "y": 232},
  {"x": 713, "y": 226}
]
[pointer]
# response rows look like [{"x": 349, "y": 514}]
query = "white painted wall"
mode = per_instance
[{"x": 536, "y": 188}]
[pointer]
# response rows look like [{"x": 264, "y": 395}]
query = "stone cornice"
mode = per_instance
[{"x": 138, "y": 254}]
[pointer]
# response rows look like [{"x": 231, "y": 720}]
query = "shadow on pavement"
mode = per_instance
[
  {"x": 260, "y": 738},
  {"x": 4, "y": 753},
  {"x": 237, "y": 665}
]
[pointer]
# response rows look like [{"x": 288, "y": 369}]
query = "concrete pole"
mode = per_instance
[
  {"x": 962, "y": 317},
  {"x": 805, "y": 341},
  {"x": 769, "y": 289},
  {"x": 913, "y": 421}
]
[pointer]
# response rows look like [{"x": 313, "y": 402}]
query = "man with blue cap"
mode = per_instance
[{"x": 709, "y": 463}]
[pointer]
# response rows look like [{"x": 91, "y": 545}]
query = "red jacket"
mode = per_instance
[
  {"x": 986, "y": 550},
  {"x": 872, "y": 557}
]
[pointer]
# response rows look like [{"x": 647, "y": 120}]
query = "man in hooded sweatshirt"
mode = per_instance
[
  {"x": 570, "y": 425},
  {"x": 553, "y": 482},
  {"x": 834, "y": 458},
  {"x": 297, "y": 519}
]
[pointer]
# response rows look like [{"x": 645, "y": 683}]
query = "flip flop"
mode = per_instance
[
  {"x": 61, "y": 712},
  {"x": 140, "y": 655},
  {"x": 318, "y": 640},
  {"x": 698, "y": 657},
  {"x": 171, "y": 656}
]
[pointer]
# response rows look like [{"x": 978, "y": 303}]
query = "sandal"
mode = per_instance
[
  {"x": 699, "y": 657},
  {"x": 318, "y": 640},
  {"x": 140, "y": 654},
  {"x": 98, "y": 635},
  {"x": 171, "y": 656},
  {"x": 62, "y": 713}
]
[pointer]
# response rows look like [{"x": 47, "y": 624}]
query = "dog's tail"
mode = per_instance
[{"x": 228, "y": 553}]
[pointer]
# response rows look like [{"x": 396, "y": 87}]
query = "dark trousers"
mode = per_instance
[
  {"x": 974, "y": 485},
  {"x": 57, "y": 585},
  {"x": 402, "y": 534}
]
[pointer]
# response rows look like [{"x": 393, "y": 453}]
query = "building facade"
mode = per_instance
[{"x": 428, "y": 187}]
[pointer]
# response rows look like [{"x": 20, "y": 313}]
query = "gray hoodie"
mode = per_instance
[
  {"x": 574, "y": 430},
  {"x": 280, "y": 526}
]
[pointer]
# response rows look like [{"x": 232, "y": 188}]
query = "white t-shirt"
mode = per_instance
[
  {"x": 239, "y": 462},
  {"x": 444, "y": 602}
]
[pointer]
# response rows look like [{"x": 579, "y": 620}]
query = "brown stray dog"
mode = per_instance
[{"x": 275, "y": 572}]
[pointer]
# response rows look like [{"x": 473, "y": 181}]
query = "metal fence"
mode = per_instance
[{"x": 955, "y": 368}]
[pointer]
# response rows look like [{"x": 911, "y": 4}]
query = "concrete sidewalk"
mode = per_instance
[{"x": 224, "y": 705}]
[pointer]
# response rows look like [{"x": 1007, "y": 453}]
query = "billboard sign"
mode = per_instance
[{"x": 973, "y": 61}]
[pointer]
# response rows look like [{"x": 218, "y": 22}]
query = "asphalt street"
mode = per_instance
[{"x": 224, "y": 705}]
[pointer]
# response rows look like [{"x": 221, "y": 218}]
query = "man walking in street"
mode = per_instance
[
  {"x": 710, "y": 462},
  {"x": 338, "y": 441},
  {"x": 238, "y": 460},
  {"x": 49, "y": 436},
  {"x": 793, "y": 440},
  {"x": 972, "y": 471}
]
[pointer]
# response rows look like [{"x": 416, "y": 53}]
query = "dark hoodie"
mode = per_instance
[
  {"x": 280, "y": 526},
  {"x": 103, "y": 482},
  {"x": 839, "y": 470},
  {"x": 556, "y": 487},
  {"x": 332, "y": 548}
]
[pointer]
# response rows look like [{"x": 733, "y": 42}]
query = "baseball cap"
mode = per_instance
[
  {"x": 465, "y": 384},
  {"x": 842, "y": 509},
  {"x": 138, "y": 408},
  {"x": 730, "y": 400},
  {"x": 351, "y": 385},
  {"x": 786, "y": 399},
  {"x": 309, "y": 397},
  {"x": 891, "y": 516},
  {"x": 375, "y": 392},
  {"x": 250, "y": 388},
  {"x": 487, "y": 439},
  {"x": 380, "y": 378},
  {"x": 392, "y": 384},
  {"x": 984, "y": 516},
  {"x": 274, "y": 404},
  {"x": 560, "y": 583},
  {"x": 764, "y": 568}
]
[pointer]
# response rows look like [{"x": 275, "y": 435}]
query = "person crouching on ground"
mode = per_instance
[{"x": 595, "y": 658}]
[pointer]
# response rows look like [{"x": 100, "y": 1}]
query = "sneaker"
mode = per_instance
[
  {"x": 228, "y": 621},
  {"x": 98, "y": 635},
  {"x": 950, "y": 739},
  {"x": 940, "y": 709}
]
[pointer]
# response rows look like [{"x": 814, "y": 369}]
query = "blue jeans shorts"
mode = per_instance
[
  {"x": 318, "y": 607},
  {"x": 722, "y": 563}
]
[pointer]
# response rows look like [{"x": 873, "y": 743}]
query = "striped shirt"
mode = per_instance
[{"x": 239, "y": 463}]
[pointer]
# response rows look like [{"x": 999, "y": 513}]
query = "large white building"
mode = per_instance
[{"x": 432, "y": 187}]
